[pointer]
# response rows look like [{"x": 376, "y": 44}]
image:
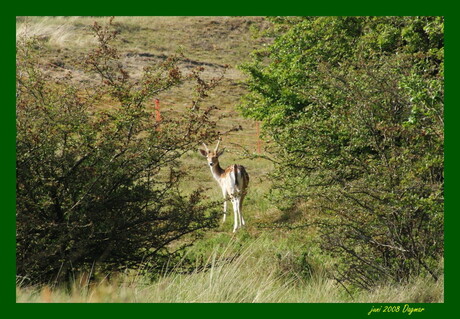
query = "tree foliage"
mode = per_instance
[
  {"x": 97, "y": 176},
  {"x": 352, "y": 108}
]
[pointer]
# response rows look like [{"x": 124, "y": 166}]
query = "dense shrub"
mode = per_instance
[
  {"x": 97, "y": 176},
  {"x": 352, "y": 108}
]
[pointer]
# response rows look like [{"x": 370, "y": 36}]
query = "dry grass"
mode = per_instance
[
  {"x": 60, "y": 32},
  {"x": 208, "y": 40},
  {"x": 254, "y": 275},
  {"x": 251, "y": 276},
  {"x": 420, "y": 290}
]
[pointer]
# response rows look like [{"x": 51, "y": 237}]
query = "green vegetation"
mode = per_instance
[
  {"x": 99, "y": 187},
  {"x": 325, "y": 91},
  {"x": 354, "y": 109}
]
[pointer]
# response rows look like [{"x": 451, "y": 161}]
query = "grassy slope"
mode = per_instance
[{"x": 268, "y": 265}]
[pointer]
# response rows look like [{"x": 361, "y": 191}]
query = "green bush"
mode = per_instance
[
  {"x": 97, "y": 176},
  {"x": 352, "y": 110}
]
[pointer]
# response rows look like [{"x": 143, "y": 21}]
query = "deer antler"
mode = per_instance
[
  {"x": 207, "y": 150},
  {"x": 217, "y": 146}
]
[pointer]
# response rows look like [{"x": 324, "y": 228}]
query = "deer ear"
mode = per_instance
[
  {"x": 220, "y": 152},
  {"x": 203, "y": 152}
]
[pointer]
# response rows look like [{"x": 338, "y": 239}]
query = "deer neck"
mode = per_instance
[{"x": 217, "y": 172}]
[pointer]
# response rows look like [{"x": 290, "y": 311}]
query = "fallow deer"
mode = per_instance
[{"x": 233, "y": 181}]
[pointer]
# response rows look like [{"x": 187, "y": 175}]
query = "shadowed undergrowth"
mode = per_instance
[{"x": 238, "y": 269}]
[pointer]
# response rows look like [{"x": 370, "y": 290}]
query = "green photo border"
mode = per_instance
[{"x": 210, "y": 8}]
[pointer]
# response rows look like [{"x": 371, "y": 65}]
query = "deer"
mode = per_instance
[{"x": 233, "y": 181}]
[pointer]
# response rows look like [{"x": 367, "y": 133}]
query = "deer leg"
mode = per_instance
[
  {"x": 240, "y": 210},
  {"x": 224, "y": 193},
  {"x": 235, "y": 214}
]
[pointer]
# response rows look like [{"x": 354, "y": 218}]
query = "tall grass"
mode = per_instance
[
  {"x": 237, "y": 270},
  {"x": 59, "y": 32}
]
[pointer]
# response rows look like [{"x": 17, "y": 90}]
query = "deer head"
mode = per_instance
[{"x": 212, "y": 156}]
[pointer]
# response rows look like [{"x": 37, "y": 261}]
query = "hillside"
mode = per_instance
[{"x": 218, "y": 44}]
